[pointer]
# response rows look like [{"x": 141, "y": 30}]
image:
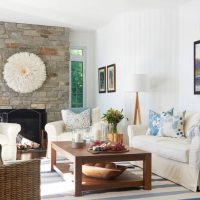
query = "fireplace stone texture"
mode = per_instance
[{"x": 51, "y": 44}]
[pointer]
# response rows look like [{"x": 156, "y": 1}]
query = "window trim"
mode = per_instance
[{"x": 81, "y": 59}]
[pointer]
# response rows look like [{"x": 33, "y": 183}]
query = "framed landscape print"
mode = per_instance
[
  {"x": 111, "y": 78},
  {"x": 102, "y": 79},
  {"x": 197, "y": 67}
]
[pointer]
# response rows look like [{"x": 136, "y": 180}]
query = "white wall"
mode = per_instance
[
  {"x": 189, "y": 32},
  {"x": 140, "y": 42},
  {"x": 156, "y": 42},
  {"x": 86, "y": 39}
]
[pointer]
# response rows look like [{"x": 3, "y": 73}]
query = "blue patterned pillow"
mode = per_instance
[
  {"x": 154, "y": 121},
  {"x": 172, "y": 125},
  {"x": 193, "y": 131}
]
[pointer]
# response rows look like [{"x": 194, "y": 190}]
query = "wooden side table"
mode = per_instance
[{"x": 29, "y": 154}]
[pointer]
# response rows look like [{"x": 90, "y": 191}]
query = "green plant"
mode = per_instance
[{"x": 113, "y": 117}]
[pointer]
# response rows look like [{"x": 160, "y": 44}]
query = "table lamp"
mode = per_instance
[{"x": 138, "y": 83}]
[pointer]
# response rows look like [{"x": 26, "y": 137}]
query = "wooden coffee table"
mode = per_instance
[{"x": 82, "y": 156}]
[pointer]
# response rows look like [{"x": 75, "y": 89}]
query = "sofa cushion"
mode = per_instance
[
  {"x": 171, "y": 148},
  {"x": 175, "y": 149},
  {"x": 146, "y": 142}
]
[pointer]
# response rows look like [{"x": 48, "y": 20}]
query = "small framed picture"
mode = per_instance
[
  {"x": 111, "y": 78},
  {"x": 102, "y": 79},
  {"x": 197, "y": 67}
]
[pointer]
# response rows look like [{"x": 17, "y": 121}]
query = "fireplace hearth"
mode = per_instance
[{"x": 32, "y": 122}]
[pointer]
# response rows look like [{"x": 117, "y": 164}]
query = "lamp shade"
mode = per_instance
[{"x": 137, "y": 83}]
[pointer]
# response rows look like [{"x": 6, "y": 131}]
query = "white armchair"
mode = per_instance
[
  {"x": 56, "y": 131},
  {"x": 8, "y": 135}
]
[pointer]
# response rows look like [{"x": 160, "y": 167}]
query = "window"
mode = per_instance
[
  {"x": 77, "y": 62},
  {"x": 76, "y": 52}
]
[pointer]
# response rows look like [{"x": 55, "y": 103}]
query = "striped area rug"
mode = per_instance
[{"x": 53, "y": 187}]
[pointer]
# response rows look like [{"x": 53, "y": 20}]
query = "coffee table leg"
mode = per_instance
[
  {"x": 78, "y": 177},
  {"x": 147, "y": 172},
  {"x": 53, "y": 158}
]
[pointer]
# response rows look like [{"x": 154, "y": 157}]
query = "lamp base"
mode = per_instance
[{"x": 137, "y": 114}]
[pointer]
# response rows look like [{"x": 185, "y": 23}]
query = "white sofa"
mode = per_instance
[
  {"x": 56, "y": 131},
  {"x": 175, "y": 159},
  {"x": 8, "y": 135}
]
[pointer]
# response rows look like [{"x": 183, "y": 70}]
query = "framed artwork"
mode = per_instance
[
  {"x": 102, "y": 79},
  {"x": 111, "y": 78},
  {"x": 197, "y": 67}
]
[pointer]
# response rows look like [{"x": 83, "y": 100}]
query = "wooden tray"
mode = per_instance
[
  {"x": 109, "y": 151},
  {"x": 103, "y": 173}
]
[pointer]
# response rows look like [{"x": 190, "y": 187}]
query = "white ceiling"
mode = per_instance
[{"x": 76, "y": 14}]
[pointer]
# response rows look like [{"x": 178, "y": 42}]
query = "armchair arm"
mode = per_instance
[
  {"x": 11, "y": 130},
  {"x": 194, "y": 154},
  {"x": 134, "y": 130},
  {"x": 53, "y": 129}
]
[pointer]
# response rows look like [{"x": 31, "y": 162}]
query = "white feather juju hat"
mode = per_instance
[{"x": 24, "y": 72}]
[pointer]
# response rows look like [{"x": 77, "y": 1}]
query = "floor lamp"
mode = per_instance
[{"x": 138, "y": 84}]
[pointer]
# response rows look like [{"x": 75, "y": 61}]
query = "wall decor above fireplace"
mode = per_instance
[
  {"x": 24, "y": 72},
  {"x": 51, "y": 44}
]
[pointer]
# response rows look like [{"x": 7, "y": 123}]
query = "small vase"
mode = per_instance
[
  {"x": 115, "y": 137},
  {"x": 1, "y": 161},
  {"x": 113, "y": 128}
]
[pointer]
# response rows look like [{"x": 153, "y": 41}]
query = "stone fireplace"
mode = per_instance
[
  {"x": 32, "y": 122},
  {"x": 51, "y": 44}
]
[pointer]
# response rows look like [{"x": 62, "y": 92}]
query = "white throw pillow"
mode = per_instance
[
  {"x": 76, "y": 120},
  {"x": 95, "y": 115},
  {"x": 172, "y": 125}
]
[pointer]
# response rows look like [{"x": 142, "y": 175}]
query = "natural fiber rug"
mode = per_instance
[{"x": 53, "y": 187}]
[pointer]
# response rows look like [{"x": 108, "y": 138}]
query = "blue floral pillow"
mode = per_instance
[
  {"x": 193, "y": 131},
  {"x": 154, "y": 121},
  {"x": 172, "y": 125}
]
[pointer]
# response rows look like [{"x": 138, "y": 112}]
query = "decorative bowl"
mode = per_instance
[{"x": 101, "y": 172}]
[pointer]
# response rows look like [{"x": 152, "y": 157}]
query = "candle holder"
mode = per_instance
[
  {"x": 78, "y": 145},
  {"x": 77, "y": 139},
  {"x": 87, "y": 134}
]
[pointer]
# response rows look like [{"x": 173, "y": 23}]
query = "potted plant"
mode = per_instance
[{"x": 113, "y": 117}]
